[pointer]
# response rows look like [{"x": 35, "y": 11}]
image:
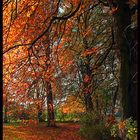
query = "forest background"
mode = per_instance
[{"x": 71, "y": 60}]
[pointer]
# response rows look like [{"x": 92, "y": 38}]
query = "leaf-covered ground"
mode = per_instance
[{"x": 64, "y": 131}]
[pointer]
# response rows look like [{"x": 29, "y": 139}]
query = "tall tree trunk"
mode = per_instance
[
  {"x": 86, "y": 70},
  {"x": 87, "y": 88},
  {"x": 39, "y": 107},
  {"x": 134, "y": 63},
  {"x": 51, "y": 119},
  {"x": 50, "y": 108},
  {"x": 39, "y": 115},
  {"x": 88, "y": 103},
  {"x": 123, "y": 18}
]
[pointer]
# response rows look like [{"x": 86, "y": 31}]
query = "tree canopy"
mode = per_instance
[{"x": 72, "y": 56}]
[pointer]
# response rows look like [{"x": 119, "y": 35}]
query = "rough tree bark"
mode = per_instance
[
  {"x": 123, "y": 20},
  {"x": 39, "y": 107},
  {"x": 86, "y": 70},
  {"x": 50, "y": 108},
  {"x": 51, "y": 118},
  {"x": 87, "y": 87}
]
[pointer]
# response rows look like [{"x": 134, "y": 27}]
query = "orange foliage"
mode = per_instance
[
  {"x": 65, "y": 110},
  {"x": 121, "y": 125},
  {"x": 30, "y": 122},
  {"x": 113, "y": 10},
  {"x": 89, "y": 52},
  {"x": 4, "y": 99},
  {"x": 72, "y": 105}
]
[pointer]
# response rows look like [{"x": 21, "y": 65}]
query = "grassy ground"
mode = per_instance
[{"x": 64, "y": 131}]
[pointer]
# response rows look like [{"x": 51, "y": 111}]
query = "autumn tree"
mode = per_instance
[
  {"x": 76, "y": 45},
  {"x": 86, "y": 48},
  {"x": 31, "y": 14}
]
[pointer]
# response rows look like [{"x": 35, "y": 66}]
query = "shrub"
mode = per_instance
[
  {"x": 93, "y": 126},
  {"x": 126, "y": 129}
]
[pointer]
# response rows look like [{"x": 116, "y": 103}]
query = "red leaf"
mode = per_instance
[{"x": 86, "y": 79}]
